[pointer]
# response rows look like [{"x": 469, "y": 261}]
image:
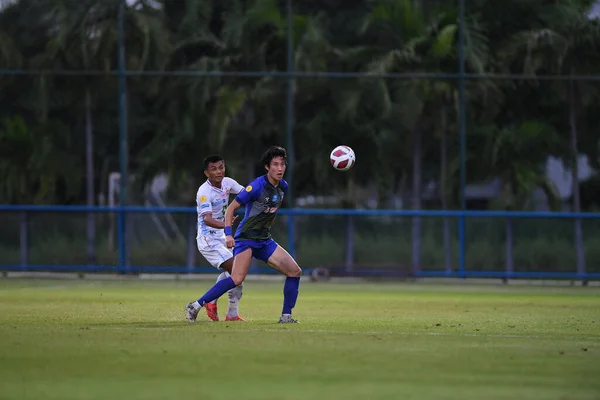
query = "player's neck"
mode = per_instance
[
  {"x": 272, "y": 181},
  {"x": 215, "y": 184}
]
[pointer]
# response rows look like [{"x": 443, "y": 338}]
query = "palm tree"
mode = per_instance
[
  {"x": 246, "y": 35},
  {"x": 10, "y": 55},
  {"x": 517, "y": 157},
  {"x": 82, "y": 36},
  {"x": 408, "y": 39},
  {"x": 33, "y": 166},
  {"x": 566, "y": 44}
]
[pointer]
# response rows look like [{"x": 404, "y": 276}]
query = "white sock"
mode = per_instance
[
  {"x": 196, "y": 305},
  {"x": 222, "y": 275},
  {"x": 234, "y": 295}
]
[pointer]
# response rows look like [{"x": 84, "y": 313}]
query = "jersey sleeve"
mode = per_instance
[
  {"x": 203, "y": 202},
  {"x": 236, "y": 188},
  {"x": 250, "y": 194}
]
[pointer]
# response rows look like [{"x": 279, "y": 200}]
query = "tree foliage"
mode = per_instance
[{"x": 395, "y": 125}]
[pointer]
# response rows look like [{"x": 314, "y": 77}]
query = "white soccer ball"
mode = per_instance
[{"x": 342, "y": 158}]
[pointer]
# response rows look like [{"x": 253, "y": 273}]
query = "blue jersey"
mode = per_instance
[{"x": 262, "y": 200}]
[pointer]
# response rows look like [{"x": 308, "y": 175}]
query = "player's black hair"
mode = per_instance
[
  {"x": 213, "y": 158},
  {"x": 271, "y": 153}
]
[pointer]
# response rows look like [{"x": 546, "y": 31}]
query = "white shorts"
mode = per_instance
[{"x": 215, "y": 251}]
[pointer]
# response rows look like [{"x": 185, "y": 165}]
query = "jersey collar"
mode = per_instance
[
  {"x": 214, "y": 187},
  {"x": 266, "y": 178}
]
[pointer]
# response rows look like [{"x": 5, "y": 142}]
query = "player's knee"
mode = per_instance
[
  {"x": 237, "y": 279},
  {"x": 295, "y": 273},
  {"x": 227, "y": 265}
]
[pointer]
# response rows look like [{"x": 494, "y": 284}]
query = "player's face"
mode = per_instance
[
  {"x": 215, "y": 172},
  {"x": 276, "y": 169}
]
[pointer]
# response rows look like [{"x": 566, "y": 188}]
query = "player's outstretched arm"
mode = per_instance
[
  {"x": 229, "y": 213},
  {"x": 213, "y": 223}
]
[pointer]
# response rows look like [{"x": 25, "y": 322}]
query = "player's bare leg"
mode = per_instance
[
  {"x": 284, "y": 263},
  {"x": 234, "y": 294},
  {"x": 241, "y": 264}
]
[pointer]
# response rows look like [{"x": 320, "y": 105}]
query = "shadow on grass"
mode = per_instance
[{"x": 166, "y": 325}]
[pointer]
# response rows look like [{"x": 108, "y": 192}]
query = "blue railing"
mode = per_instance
[{"x": 460, "y": 272}]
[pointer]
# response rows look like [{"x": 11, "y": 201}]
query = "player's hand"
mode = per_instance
[{"x": 229, "y": 242}]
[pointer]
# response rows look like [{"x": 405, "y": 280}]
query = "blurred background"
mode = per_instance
[{"x": 475, "y": 126}]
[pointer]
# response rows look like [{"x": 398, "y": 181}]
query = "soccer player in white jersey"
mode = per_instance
[{"x": 211, "y": 202}]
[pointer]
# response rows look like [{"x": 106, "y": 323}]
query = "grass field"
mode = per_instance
[{"x": 130, "y": 340}]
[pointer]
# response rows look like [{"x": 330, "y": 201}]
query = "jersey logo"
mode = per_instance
[
  {"x": 275, "y": 197},
  {"x": 249, "y": 188},
  {"x": 202, "y": 198}
]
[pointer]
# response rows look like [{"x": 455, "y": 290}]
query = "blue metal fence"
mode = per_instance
[{"x": 122, "y": 266}]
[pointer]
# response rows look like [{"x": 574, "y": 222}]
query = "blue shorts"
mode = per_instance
[{"x": 261, "y": 250}]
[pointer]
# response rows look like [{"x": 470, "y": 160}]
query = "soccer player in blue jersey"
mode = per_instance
[{"x": 262, "y": 198}]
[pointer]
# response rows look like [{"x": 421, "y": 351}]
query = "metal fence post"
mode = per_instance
[
  {"x": 122, "y": 220},
  {"x": 508, "y": 237},
  {"x": 24, "y": 240},
  {"x": 463, "y": 139},
  {"x": 291, "y": 227},
  {"x": 191, "y": 244},
  {"x": 349, "y": 243}
]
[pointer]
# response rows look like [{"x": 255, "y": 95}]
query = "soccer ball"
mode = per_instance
[{"x": 342, "y": 158}]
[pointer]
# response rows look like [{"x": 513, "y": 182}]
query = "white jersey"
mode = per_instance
[{"x": 210, "y": 199}]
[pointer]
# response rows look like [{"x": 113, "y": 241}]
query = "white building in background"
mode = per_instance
[
  {"x": 560, "y": 174},
  {"x": 6, "y": 3},
  {"x": 595, "y": 10}
]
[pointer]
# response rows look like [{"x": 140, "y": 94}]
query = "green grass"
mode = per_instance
[{"x": 129, "y": 340}]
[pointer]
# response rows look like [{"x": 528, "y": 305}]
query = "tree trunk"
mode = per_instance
[
  {"x": 443, "y": 194},
  {"x": 575, "y": 180},
  {"x": 249, "y": 166},
  {"x": 416, "y": 202},
  {"x": 89, "y": 174}
]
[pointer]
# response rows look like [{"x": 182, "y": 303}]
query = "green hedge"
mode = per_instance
[
  {"x": 539, "y": 245},
  {"x": 531, "y": 255}
]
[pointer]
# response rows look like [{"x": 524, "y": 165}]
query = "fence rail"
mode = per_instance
[
  {"x": 317, "y": 211},
  {"x": 300, "y": 75},
  {"x": 461, "y": 270}
]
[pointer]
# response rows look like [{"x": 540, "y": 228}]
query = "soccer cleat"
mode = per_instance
[
  {"x": 211, "y": 311},
  {"x": 287, "y": 319},
  {"x": 191, "y": 313},
  {"x": 236, "y": 318}
]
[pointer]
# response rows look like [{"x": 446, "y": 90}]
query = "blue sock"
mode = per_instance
[
  {"x": 218, "y": 290},
  {"x": 290, "y": 294}
]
